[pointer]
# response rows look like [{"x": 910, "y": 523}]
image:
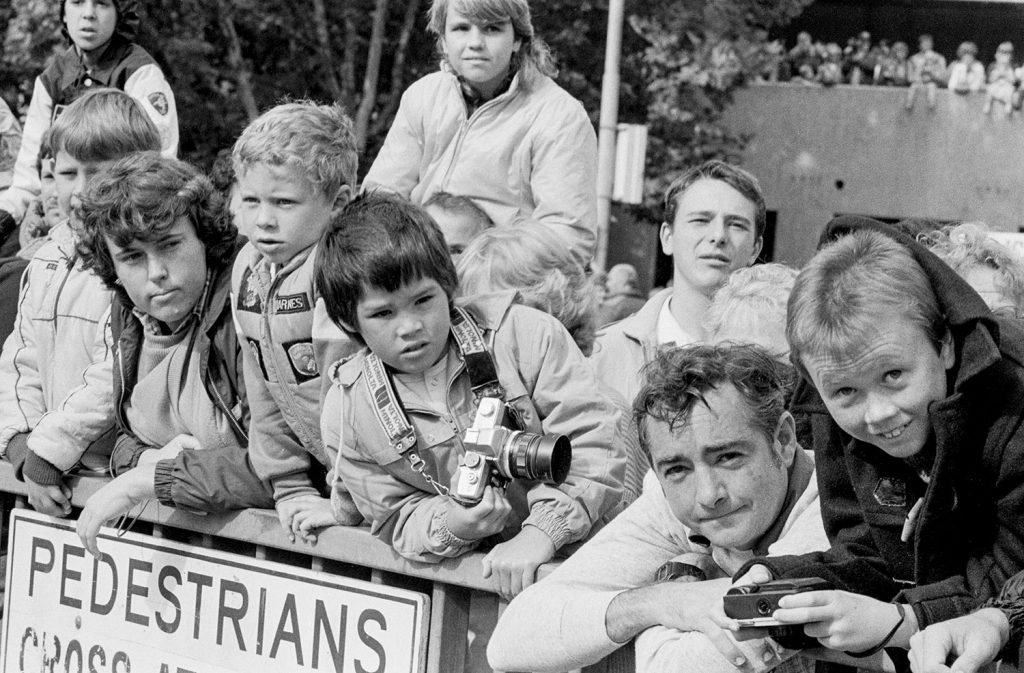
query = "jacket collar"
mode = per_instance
[{"x": 642, "y": 326}]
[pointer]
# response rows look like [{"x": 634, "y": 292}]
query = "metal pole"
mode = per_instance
[{"x": 608, "y": 123}]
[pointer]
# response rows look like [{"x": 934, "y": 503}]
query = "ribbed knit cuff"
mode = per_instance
[
  {"x": 17, "y": 451},
  {"x": 552, "y": 524},
  {"x": 41, "y": 471}
]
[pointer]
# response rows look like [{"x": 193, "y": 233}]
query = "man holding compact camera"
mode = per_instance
[{"x": 729, "y": 482}]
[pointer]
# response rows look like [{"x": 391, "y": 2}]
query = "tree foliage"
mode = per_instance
[{"x": 228, "y": 59}]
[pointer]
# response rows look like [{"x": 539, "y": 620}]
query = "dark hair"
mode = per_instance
[
  {"x": 678, "y": 378},
  {"x": 378, "y": 240},
  {"x": 103, "y": 125},
  {"x": 138, "y": 199},
  {"x": 737, "y": 178}
]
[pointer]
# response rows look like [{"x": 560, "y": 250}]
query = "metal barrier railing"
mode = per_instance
[{"x": 341, "y": 550}]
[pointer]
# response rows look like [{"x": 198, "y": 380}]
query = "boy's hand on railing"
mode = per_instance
[
  {"x": 974, "y": 640},
  {"x": 301, "y": 516},
  {"x": 514, "y": 564},
  {"x": 114, "y": 499},
  {"x": 53, "y": 500},
  {"x": 487, "y": 517}
]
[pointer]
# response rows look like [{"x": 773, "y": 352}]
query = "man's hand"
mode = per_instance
[
  {"x": 52, "y": 500},
  {"x": 114, "y": 499},
  {"x": 974, "y": 639},
  {"x": 841, "y": 620},
  {"x": 302, "y": 515},
  {"x": 487, "y": 517},
  {"x": 170, "y": 450},
  {"x": 758, "y": 574},
  {"x": 514, "y": 563}
]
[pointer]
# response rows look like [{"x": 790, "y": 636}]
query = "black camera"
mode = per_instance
[
  {"x": 498, "y": 451},
  {"x": 752, "y": 605}
]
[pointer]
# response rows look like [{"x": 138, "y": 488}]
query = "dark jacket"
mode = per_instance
[
  {"x": 969, "y": 537},
  {"x": 218, "y": 479}
]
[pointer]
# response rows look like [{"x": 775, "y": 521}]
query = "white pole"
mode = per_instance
[{"x": 608, "y": 123}]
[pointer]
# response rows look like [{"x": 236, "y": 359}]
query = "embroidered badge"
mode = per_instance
[
  {"x": 891, "y": 492},
  {"x": 292, "y": 303},
  {"x": 248, "y": 297},
  {"x": 159, "y": 102},
  {"x": 300, "y": 356}
]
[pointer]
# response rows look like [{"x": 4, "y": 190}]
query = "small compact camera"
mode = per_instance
[
  {"x": 498, "y": 451},
  {"x": 752, "y": 605}
]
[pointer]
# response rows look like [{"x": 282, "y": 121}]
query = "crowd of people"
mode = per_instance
[
  {"x": 861, "y": 61},
  {"x": 363, "y": 354}
]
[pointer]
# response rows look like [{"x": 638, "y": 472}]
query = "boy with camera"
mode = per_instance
[{"x": 399, "y": 410}]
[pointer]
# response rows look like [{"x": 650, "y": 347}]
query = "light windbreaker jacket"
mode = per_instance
[
  {"x": 55, "y": 368},
  {"x": 526, "y": 154},
  {"x": 544, "y": 375}
]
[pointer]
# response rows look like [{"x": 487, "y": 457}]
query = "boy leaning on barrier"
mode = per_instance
[
  {"x": 912, "y": 386},
  {"x": 56, "y": 409},
  {"x": 398, "y": 410},
  {"x": 154, "y": 230}
]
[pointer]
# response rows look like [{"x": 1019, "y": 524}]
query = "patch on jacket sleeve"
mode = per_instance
[
  {"x": 159, "y": 102},
  {"x": 257, "y": 353},
  {"x": 248, "y": 296},
  {"x": 291, "y": 303},
  {"x": 891, "y": 492},
  {"x": 300, "y": 357}
]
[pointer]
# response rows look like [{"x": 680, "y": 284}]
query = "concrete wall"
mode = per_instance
[{"x": 820, "y": 152}]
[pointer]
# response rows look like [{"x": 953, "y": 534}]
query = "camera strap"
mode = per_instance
[{"x": 483, "y": 379}]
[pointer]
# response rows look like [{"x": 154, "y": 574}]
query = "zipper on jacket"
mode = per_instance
[{"x": 463, "y": 131}]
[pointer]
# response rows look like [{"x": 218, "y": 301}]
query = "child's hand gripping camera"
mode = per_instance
[
  {"x": 497, "y": 452},
  {"x": 752, "y": 605}
]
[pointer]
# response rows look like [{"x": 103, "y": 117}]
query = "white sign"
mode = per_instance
[{"x": 155, "y": 606}]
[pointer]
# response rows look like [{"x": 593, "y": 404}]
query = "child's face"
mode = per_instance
[
  {"x": 90, "y": 23},
  {"x": 71, "y": 177},
  {"x": 281, "y": 211},
  {"x": 480, "y": 53},
  {"x": 164, "y": 277},
  {"x": 48, "y": 194},
  {"x": 459, "y": 229},
  {"x": 408, "y": 328}
]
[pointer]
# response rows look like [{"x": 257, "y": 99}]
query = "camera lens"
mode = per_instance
[
  {"x": 538, "y": 457},
  {"x": 764, "y": 607}
]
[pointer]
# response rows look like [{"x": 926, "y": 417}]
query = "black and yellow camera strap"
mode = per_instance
[{"x": 483, "y": 379}]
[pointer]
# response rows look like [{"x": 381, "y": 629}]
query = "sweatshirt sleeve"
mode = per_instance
[
  {"x": 564, "y": 179},
  {"x": 25, "y": 183},
  {"x": 149, "y": 87},
  {"x": 571, "y": 402},
  {"x": 562, "y": 617},
  {"x": 660, "y": 649}
]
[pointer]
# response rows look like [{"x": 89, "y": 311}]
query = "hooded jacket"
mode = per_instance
[
  {"x": 969, "y": 536},
  {"x": 125, "y": 66}
]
